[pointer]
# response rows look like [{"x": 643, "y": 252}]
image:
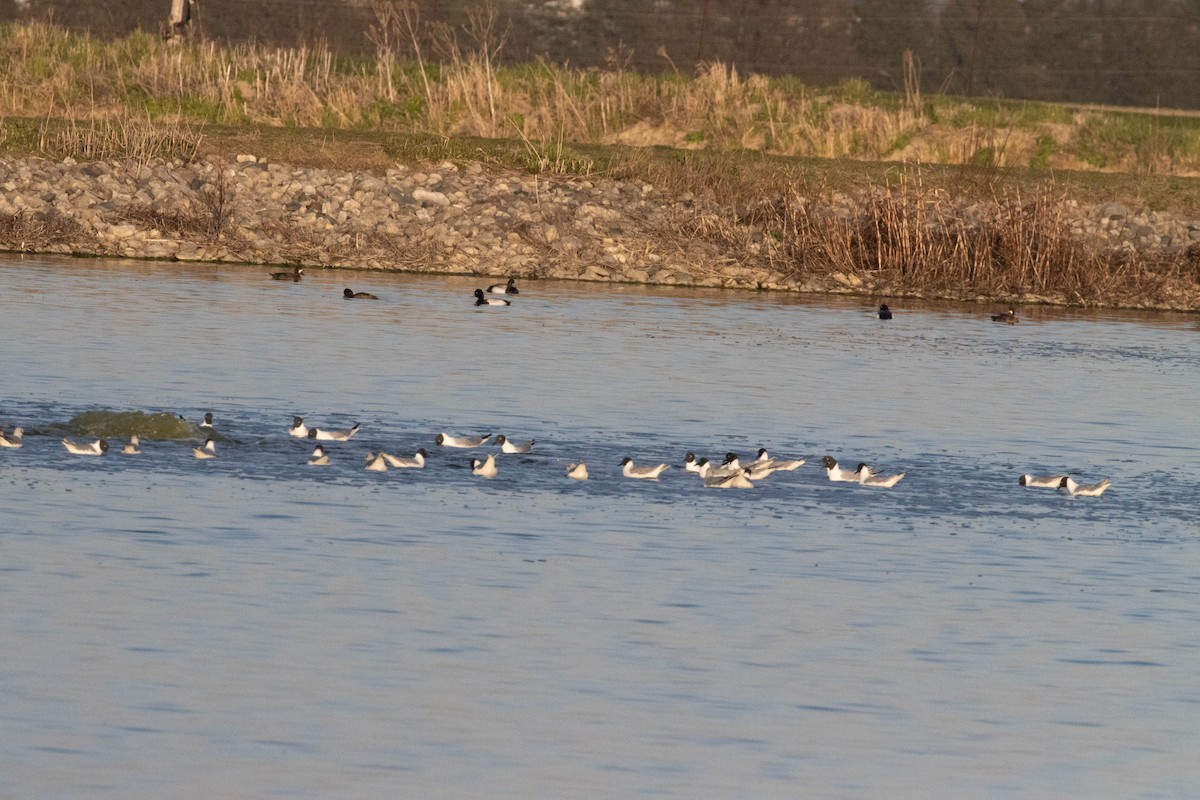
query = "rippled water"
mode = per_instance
[{"x": 250, "y": 627}]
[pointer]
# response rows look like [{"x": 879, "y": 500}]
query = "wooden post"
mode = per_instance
[
  {"x": 975, "y": 49},
  {"x": 180, "y": 19}
]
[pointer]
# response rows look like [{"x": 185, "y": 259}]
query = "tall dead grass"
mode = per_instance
[
  {"x": 138, "y": 139},
  {"x": 430, "y": 79},
  {"x": 908, "y": 239}
]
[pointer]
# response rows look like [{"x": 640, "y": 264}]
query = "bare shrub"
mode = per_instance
[
  {"x": 180, "y": 224},
  {"x": 403, "y": 253},
  {"x": 208, "y": 218},
  {"x": 29, "y": 231},
  {"x": 217, "y": 199}
]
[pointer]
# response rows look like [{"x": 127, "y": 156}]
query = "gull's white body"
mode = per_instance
[
  {"x": 883, "y": 481},
  {"x": 509, "y": 446},
  {"x": 446, "y": 440},
  {"x": 1084, "y": 490},
  {"x": 738, "y": 480},
  {"x": 645, "y": 473},
  {"x": 332, "y": 436},
  {"x": 416, "y": 461},
  {"x": 1041, "y": 481},
  {"x": 96, "y": 448},
  {"x": 837, "y": 473},
  {"x": 780, "y": 464},
  {"x": 485, "y": 468}
]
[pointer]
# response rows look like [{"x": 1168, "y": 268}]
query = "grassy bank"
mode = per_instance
[
  {"x": 736, "y": 177},
  {"x": 974, "y": 213},
  {"x": 48, "y": 72},
  {"x": 916, "y": 230}
]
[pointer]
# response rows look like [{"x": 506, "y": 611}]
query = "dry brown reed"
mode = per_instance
[
  {"x": 138, "y": 139},
  {"x": 40, "y": 231},
  {"x": 908, "y": 239}
]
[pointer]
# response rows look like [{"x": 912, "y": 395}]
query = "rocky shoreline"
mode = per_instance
[{"x": 448, "y": 219}]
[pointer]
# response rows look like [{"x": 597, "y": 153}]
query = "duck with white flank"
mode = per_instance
[
  {"x": 645, "y": 473},
  {"x": 507, "y": 446},
  {"x": 14, "y": 439},
  {"x": 504, "y": 288},
  {"x": 485, "y": 468},
  {"x": 1041, "y": 481},
  {"x": 133, "y": 448},
  {"x": 837, "y": 473},
  {"x": 885, "y": 312},
  {"x": 577, "y": 472},
  {"x": 1009, "y": 316},
  {"x": 446, "y": 440},
  {"x": 318, "y": 457},
  {"x": 866, "y": 478},
  {"x": 332, "y": 436},
  {"x": 376, "y": 462},
  {"x": 96, "y": 448},
  {"x": 292, "y": 274},
  {"x": 298, "y": 429},
  {"x": 1084, "y": 489},
  {"x": 483, "y": 300},
  {"x": 350, "y": 294},
  {"x": 417, "y": 461},
  {"x": 209, "y": 450},
  {"x": 780, "y": 464}
]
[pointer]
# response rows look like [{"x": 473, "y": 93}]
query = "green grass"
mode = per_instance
[{"x": 1046, "y": 147}]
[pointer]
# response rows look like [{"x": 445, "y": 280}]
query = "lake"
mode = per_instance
[{"x": 252, "y": 627}]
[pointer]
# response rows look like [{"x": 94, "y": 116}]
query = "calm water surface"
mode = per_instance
[{"x": 250, "y": 627}]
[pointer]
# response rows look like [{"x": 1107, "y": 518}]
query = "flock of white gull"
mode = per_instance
[{"x": 731, "y": 473}]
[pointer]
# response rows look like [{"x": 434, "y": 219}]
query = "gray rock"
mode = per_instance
[
  {"x": 429, "y": 198},
  {"x": 1113, "y": 211},
  {"x": 469, "y": 220}
]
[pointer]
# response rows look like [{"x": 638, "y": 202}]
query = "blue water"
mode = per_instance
[{"x": 251, "y": 627}]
